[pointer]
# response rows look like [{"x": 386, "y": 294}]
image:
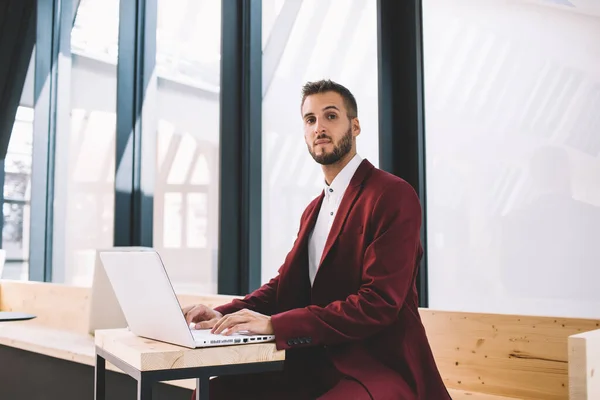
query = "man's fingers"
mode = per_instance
[
  {"x": 225, "y": 322},
  {"x": 217, "y": 324},
  {"x": 222, "y": 324},
  {"x": 206, "y": 324},
  {"x": 188, "y": 317},
  {"x": 193, "y": 310},
  {"x": 193, "y": 316},
  {"x": 229, "y": 322},
  {"x": 199, "y": 314},
  {"x": 238, "y": 328}
]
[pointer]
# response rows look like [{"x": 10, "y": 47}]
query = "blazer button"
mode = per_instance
[
  {"x": 302, "y": 340},
  {"x": 290, "y": 342},
  {"x": 308, "y": 340}
]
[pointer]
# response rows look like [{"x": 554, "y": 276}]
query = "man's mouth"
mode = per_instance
[{"x": 322, "y": 141}]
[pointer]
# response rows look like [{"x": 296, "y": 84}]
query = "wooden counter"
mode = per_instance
[
  {"x": 70, "y": 346},
  {"x": 466, "y": 395},
  {"x": 480, "y": 356}
]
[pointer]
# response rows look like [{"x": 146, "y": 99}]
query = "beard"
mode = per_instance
[{"x": 338, "y": 152}]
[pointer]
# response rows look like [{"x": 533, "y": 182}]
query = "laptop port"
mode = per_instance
[
  {"x": 252, "y": 339},
  {"x": 245, "y": 340},
  {"x": 238, "y": 340}
]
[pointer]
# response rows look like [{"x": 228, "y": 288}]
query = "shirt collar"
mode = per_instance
[{"x": 342, "y": 180}]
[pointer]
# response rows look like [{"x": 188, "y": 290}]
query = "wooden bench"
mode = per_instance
[
  {"x": 512, "y": 356},
  {"x": 480, "y": 356}
]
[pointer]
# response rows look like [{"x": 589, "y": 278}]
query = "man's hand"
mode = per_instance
[
  {"x": 244, "y": 320},
  {"x": 201, "y": 316}
]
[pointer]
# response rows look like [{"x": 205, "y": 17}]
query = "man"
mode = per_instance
[{"x": 344, "y": 305}]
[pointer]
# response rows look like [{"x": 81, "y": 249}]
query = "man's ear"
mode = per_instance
[{"x": 355, "y": 127}]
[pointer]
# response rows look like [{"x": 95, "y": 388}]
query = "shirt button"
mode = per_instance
[
  {"x": 331, "y": 213},
  {"x": 330, "y": 190}
]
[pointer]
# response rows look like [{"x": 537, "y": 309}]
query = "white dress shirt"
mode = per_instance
[{"x": 333, "y": 197}]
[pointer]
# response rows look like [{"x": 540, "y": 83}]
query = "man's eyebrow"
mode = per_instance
[{"x": 331, "y": 107}]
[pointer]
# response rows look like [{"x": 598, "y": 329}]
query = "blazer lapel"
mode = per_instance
[
  {"x": 294, "y": 280},
  {"x": 299, "y": 253},
  {"x": 352, "y": 192},
  {"x": 309, "y": 224}
]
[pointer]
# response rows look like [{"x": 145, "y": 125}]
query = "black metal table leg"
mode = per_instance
[
  {"x": 144, "y": 388},
  {"x": 202, "y": 384},
  {"x": 146, "y": 379},
  {"x": 100, "y": 379}
]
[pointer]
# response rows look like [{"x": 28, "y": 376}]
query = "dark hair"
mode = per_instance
[{"x": 323, "y": 86}]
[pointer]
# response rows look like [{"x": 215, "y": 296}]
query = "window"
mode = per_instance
[
  {"x": 513, "y": 156},
  {"x": 85, "y": 156},
  {"x": 186, "y": 198},
  {"x": 308, "y": 41},
  {"x": 17, "y": 187}
]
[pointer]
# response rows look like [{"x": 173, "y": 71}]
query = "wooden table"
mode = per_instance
[{"x": 149, "y": 361}]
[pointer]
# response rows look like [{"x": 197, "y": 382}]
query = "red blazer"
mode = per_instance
[{"x": 363, "y": 306}]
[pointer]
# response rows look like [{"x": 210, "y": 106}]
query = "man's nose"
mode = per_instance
[{"x": 319, "y": 128}]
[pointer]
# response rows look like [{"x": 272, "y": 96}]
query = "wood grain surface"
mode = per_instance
[
  {"x": 56, "y": 306},
  {"x": 505, "y": 355},
  {"x": 466, "y": 395},
  {"x": 149, "y": 355}
]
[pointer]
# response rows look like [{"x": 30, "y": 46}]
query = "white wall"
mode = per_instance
[{"x": 513, "y": 166}]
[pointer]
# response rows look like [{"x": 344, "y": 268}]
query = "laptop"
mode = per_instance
[
  {"x": 143, "y": 289},
  {"x": 105, "y": 311}
]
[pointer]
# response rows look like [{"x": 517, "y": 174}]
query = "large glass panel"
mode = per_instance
[
  {"x": 513, "y": 156},
  {"x": 328, "y": 40},
  {"x": 85, "y": 155},
  {"x": 17, "y": 186},
  {"x": 17, "y": 196},
  {"x": 186, "y": 197}
]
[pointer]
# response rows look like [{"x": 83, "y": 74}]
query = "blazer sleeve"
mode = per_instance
[
  {"x": 389, "y": 269},
  {"x": 262, "y": 300}
]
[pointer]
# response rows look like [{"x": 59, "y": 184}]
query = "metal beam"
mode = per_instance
[
  {"x": 401, "y": 107},
  {"x": 51, "y": 115},
  {"x": 240, "y": 147},
  {"x": 136, "y": 123}
]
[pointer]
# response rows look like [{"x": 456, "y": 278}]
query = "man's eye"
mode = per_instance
[
  {"x": 310, "y": 121},
  {"x": 331, "y": 116}
]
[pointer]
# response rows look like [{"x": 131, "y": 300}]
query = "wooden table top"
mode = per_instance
[{"x": 150, "y": 355}]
